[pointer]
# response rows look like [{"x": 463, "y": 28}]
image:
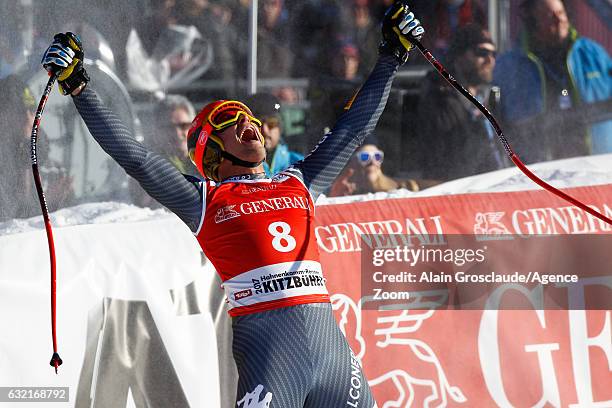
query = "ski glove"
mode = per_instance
[
  {"x": 399, "y": 27},
  {"x": 64, "y": 58}
]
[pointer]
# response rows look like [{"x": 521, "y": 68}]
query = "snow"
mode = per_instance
[
  {"x": 576, "y": 172},
  {"x": 90, "y": 213}
]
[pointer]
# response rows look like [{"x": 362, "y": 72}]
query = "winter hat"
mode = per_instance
[{"x": 466, "y": 38}]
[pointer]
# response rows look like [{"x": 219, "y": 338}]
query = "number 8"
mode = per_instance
[{"x": 280, "y": 231}]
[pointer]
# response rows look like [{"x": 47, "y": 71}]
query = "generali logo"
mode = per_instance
[
  {"x": 541, "y": 221},
  {"x": 226, "y": 213},
  {"x": 489, "y": 223},
  {"x": 261, "y": 206}
]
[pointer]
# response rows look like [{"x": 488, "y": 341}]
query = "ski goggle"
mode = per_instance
[
  {"x": 228, "y": 113},
  {"x": 365, "y": 158}
]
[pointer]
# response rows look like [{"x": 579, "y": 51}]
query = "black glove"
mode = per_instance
[
  {"x": 64, "y": 58},
  {"x": 399, "y": 27}
]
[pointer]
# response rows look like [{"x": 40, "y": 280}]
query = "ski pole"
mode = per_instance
[
  {"x": 511, "y": 154},
  {"x": 56, "y": 361}
]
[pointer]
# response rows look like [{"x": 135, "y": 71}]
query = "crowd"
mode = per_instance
[{"x": 550, "y": 91}]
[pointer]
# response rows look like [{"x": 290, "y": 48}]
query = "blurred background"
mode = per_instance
[{"x": 157, "y": 62}]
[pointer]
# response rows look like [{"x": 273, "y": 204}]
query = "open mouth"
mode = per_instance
[{"x": 248, "y": 134}]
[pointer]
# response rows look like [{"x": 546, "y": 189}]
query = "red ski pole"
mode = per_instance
[
  {"x": 56, "y": 361},
  {"x": 511, "y": 154}
]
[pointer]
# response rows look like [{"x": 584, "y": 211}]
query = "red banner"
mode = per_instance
[{"x": 438, "y": 358}]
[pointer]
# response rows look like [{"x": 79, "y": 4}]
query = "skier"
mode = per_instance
[{"x": 258, "y": 232}]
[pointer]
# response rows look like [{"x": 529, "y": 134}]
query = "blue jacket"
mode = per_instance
[
  {"x": 282, "y": 159},
  {"x": 520, "y": 75}
]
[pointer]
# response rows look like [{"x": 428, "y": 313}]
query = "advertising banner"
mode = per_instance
[
  {"x": 142, "y": 321},
  {"x": 422, "y": 354}
]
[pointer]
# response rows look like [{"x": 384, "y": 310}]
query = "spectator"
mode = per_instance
[
  {"x": 366, "y": 33},
  {"x": 548, "y": 83},
  {"x": 274, "y": 55},
  {"x": 455, "y": 140},
  {"x": 364, "y": 174},
  {"x": 240, "y": 10},
  {"x": 330, "y": 94},
  {"x": 448, "y": 16},
  {"x": 266, "y": 107},
  {"x": 158, "y": 48},
  {"x": 171, "y": 122},
  {"x": 174, "y": 115},
  {"x": 345, "y": 62},
  {"x": 150, "y": 27},
  {"x": 319, "y": 21},
  {"x": 212, "y": 24},
  {"x": 18, "y": 197}
]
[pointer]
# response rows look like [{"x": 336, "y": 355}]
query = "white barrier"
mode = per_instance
[{"x": 137, "y": 278}]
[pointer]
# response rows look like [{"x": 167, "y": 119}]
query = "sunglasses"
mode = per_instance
[
  {"x": 228, "y": 113},
  {"x": 365, "y": 158},
  {"x": 484, "y": 52}
]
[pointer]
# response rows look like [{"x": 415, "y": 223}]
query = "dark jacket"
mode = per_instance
[{"x": 452, "y": 140}]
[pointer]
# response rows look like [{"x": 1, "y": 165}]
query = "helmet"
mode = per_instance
[{"x": 206, "y": 149}]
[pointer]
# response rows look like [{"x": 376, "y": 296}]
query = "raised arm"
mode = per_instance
[
  {"x": 321, "y": 167},
  {"x": 156, "y": 175}
]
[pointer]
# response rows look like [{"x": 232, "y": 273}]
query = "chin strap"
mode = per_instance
[{"x": 239, "y": 162}]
